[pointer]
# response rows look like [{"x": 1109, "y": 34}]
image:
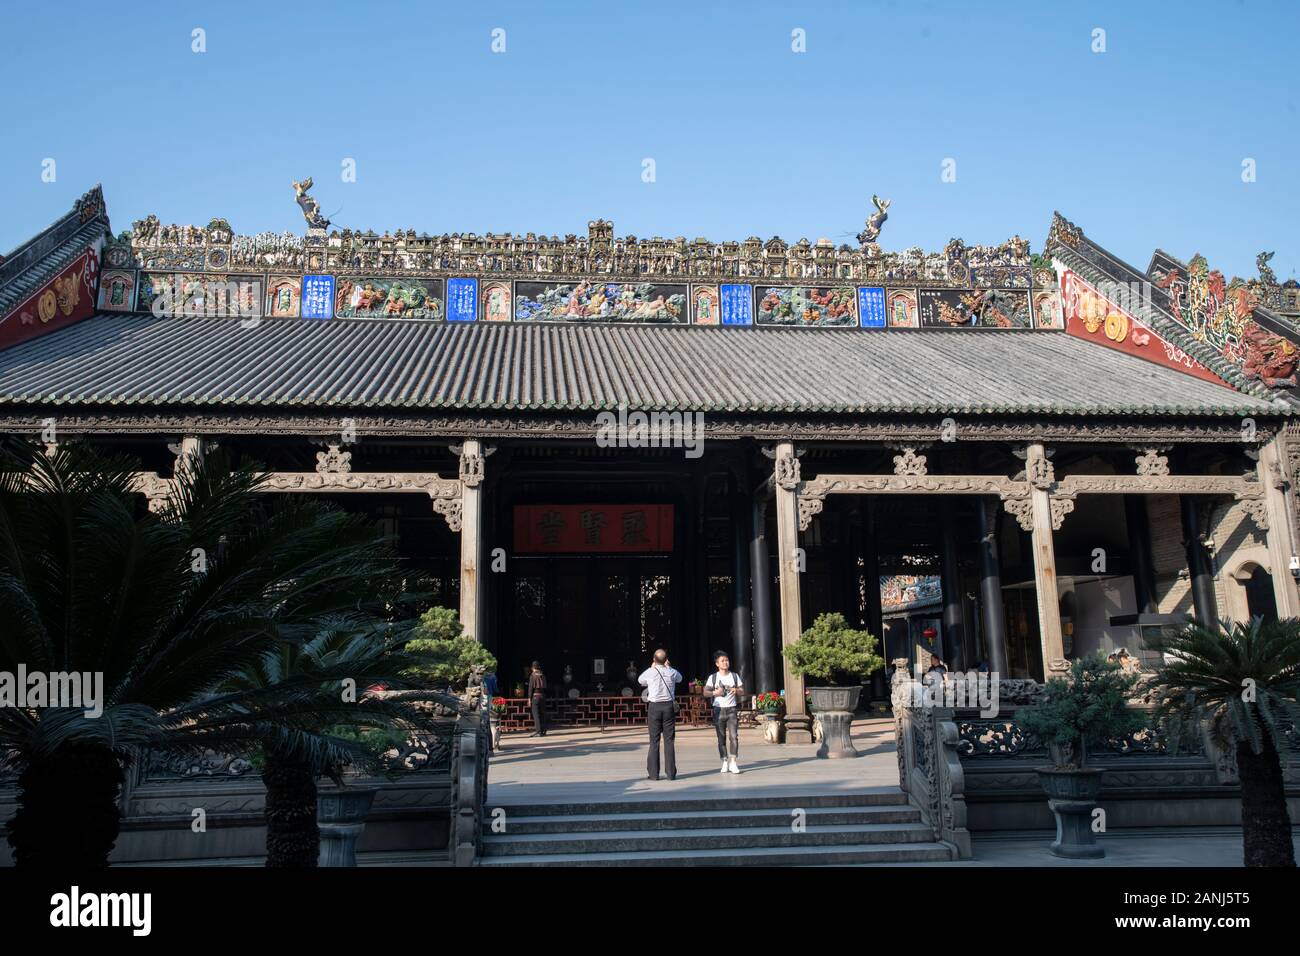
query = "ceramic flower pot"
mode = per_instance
[
  {"x": 833, "y": 707},
  {"x": 773, "y": 729},
  {"x": 341, "y": 814},
  {"x": 1072, "y": 797}
]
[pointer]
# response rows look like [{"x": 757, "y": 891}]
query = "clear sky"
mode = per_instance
[{"x": 1141, "y": 145}]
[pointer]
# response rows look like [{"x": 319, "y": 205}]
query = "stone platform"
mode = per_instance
[{"x": 592, "y": 766}]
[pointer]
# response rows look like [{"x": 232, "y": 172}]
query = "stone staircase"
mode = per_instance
[{"x": 838, "y": 829}]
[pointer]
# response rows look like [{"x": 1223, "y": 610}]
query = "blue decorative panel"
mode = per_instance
[
  {"x": 871, "y": 307},
  {"x": 737, "y": 305},
  {"x": 317, "y": 297},
  {"x": 462, "y": 300}
]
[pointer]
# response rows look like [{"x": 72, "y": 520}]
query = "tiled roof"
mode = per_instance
[
  {"x": 14, "y": 292},
  {"x": 142, "y": 361}
]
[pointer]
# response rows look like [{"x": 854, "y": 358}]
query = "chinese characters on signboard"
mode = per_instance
[
  {"x": 593, "y": 529},
  {"x": 871, "y": 308},
  {"x": 737, "y": 305},
  {"x": 462, "y": 300},
  {"x": 318, "y": 297}
]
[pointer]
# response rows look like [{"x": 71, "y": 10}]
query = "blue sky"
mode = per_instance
[{"x": 1141, "y": 145}]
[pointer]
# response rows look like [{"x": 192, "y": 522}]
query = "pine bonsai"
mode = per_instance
[
  {"x": 1088, "y": 707},
  {"x": 832, "y": 651},
  {"x": 447, "y": 654}
]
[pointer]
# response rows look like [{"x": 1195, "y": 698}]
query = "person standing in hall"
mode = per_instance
[
  {"x": 724, "y": 687},
  {"x": 537, "y": 694},
  {"x": 660, "y": 682}
]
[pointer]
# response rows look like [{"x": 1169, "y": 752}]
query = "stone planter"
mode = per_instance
[
  {"x": 773, "y": 729},
  {"x": 1072, "y": 796},
  {"x": 341, "y": 814},
  {"x": 834, "y": 707}
]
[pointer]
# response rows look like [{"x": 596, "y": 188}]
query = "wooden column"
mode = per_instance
[
  {"x": 760, "y": 583},
  {"x": 1204, "y": 602},
  {"x": 865, "y": 525},
  {"x": 471, "y": 536},
  {"x": 1281, "y": 549},
  {"x": 1041, "y": 477},
  {"x": 741, "y": 640},
  {"x": 953, "y": 619},
  {"x": 1139, "y": 543},
  {"x": 995, "y": 631},
  {"x": 790, "y": 561}
]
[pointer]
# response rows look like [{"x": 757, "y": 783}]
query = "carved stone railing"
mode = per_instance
[
  {"x": 929, "y": 769},
  {"x": 471, "y": 747}
]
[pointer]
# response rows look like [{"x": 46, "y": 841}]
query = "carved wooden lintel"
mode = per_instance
[{"x": 1157, "y": 485}]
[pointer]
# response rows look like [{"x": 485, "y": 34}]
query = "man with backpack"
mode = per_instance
[{"x": 724, "y": 687}]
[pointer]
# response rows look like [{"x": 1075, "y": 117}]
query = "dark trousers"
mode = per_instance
[
  {"x": 539, "y": 714},
  {"x": 726, "y": 720},
  {"x": 663, "y": 723}
]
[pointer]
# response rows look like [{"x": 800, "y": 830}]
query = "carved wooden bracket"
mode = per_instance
[
  {"x": 909, "y": 462},
  {"x": 787, "y": 471},
  {"x": 333, "y": 462},
  {"x": 1150, "y": 462},
  {"x": 449, "y": 508}
]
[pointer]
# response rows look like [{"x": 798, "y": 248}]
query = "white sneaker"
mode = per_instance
[
  {"x": 733, "y": 768},
  {"x": 724, "y": 766}
]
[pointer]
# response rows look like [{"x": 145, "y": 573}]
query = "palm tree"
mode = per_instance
[
  {"x": 1242, "y": 679},
  {"x": 166, "y": 607},
  {"x": 325, "y": 682}
]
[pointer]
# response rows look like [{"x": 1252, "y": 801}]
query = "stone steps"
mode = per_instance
[
  {"x": 833, "y": 829},
  {"x": 706, "y": 819}
]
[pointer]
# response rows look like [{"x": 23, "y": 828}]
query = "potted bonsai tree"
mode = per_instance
[
  {"x": 448, "y": 655},
  {"x": 1088, "y": 707},
  {"x": 839, "y": 656}
]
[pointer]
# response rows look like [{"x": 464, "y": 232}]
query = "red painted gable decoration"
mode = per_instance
[
  {"x": 1092, "y": 316},
  {"x": 67, "y": 298}
]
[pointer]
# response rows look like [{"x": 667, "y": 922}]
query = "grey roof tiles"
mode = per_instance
[{"x": 142, "y": 361}]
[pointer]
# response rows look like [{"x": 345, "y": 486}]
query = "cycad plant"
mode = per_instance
[
  {"x": 1243, "y": 680},
  {"x": 325, "y": 704},
  {"x": 166, "y": 607}
]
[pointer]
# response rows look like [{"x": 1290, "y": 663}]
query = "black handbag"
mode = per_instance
[{"x": 672, "y": 696}]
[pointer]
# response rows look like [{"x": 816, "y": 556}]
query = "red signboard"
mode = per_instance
[
  {"x": 68, "y": 297},
  {"x": 593, "y": 529},
  {"x": 1092, "y": 316}
]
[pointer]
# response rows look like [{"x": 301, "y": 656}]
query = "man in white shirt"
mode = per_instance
[
  {"x": 660, "y": 682},
  {"x": 724, "y": 687}
]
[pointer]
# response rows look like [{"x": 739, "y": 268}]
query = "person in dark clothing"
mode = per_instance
[
  {"x": 936, "y": 671},
  {"x": 660, "y": 682},
  {"x": 537, "y": 694}
]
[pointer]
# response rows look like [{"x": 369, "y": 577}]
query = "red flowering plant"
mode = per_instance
[
  {"x": 498, "y": 705},
  {"x": 769, "y": 702}
]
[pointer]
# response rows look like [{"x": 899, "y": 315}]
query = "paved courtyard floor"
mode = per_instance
[{"x": 594, "y": 766}]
